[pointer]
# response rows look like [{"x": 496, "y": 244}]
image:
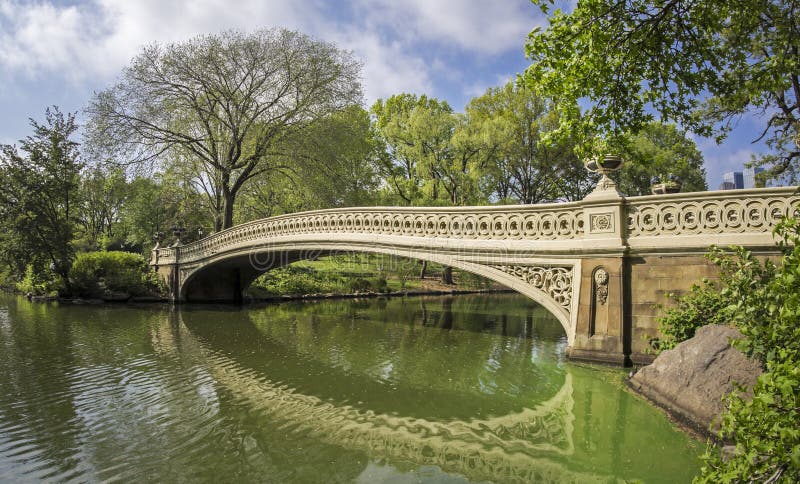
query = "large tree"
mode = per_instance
[
  {"x": 224, "y": 104},
  {"x": 103, "y": 195},
  {"x": 38, "y": 195},
  {"x": 701, "y": 63},
  {"x": 526, "y": 166},
  {"x": 660, "y": 150},
  {"x": 435, "y": 155},
  {"x": 332, "y": 163},
  {"x": 396, "y": 121}
]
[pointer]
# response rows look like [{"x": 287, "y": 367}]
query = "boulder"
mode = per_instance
[{"x": 691, "y": 380}]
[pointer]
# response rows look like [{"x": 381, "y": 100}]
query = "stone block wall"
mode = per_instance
[{"x": 652, "y": 280}]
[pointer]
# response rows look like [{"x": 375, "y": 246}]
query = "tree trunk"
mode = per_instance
[
  {"x": 227, "y": 209},
  {"x": 447, "y": 275},
  {"x": 423, "y": 269}
]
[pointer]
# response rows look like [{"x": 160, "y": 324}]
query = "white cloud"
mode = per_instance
[
  {"x": 722, "y": 159},
  {"x": 97, "y": 38},
  {"x": 40, "y": 36},
  {"x": 92, "y": 42},
  {"x": 388, "y": 66},
  {"x": 474, "y": 25}
]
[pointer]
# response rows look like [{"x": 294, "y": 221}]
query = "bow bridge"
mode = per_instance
[{"x": 600, "y": 265}]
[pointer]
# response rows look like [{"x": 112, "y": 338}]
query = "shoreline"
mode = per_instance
[{"x": 263, "y": 299}]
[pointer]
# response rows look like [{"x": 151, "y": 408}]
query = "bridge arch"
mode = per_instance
[{"x": 225, "y": 277}]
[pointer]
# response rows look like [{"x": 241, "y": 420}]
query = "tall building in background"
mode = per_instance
[
  {"x": 732, "y": 180},
  {"x": 750, "y": 176}
]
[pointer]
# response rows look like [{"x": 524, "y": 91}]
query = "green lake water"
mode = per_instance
[{"x": 472, "y": 388}]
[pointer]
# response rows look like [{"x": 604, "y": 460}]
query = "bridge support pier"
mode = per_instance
[{"x": 602, "y": 326}]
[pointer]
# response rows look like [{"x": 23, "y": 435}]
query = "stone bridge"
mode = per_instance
[{"x": 600, "y": 266}]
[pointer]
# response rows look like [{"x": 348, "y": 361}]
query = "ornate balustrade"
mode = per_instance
[
  {"x": 711, "y": 213},
  {"x": 733, "y": 216},
  {"x": 563, "y": 221},
  {"x": 651, "y": 221}
]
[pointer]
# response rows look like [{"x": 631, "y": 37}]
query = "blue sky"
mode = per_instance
[{"x": 60, "y": 52}]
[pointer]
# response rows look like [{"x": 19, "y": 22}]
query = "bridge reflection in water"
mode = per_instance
[{"x": 507, "y": 443}]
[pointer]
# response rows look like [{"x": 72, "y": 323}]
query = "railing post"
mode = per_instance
[{"x": 601, "y": 331}]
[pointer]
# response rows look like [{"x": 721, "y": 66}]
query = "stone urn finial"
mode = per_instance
[
  {"x": 604, "y": 165},
  {"x": 661, "y": 185},
  {"x": 158, "y": 237}
]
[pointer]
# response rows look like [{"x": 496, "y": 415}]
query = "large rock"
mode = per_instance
[{"x": 691, "y": 380}]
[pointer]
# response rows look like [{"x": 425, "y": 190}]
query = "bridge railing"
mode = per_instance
[
  {"x": 729, "y": 211},
  {"x": 554, "y": 221},
  {"x": 652, "y": 221}
]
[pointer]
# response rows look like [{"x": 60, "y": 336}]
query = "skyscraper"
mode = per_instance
[
  {"x": 732, "y": 180},
  {"x": 750, "y": 176}
]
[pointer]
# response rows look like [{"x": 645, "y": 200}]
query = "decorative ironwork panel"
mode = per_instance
[{"x": 556, "y": 282}]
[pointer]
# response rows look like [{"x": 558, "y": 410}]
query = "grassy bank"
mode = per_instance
[{"x": 361, "y": 273}]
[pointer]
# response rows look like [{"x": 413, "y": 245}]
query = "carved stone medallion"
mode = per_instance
[{"x": 601, "y": 285}]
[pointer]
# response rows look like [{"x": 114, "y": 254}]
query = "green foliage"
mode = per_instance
[
  {"x": 660, "y": 150},
  {"x": 763, "y": 301},
  {"x": 94, "y": 272},
  {"x": 435, "y": 156},
  {"x": 103, "y": 195},
  {"x": 333, "y": 162},
  {"x": 298, "y": 280},
  {"x": 290, "y": 281},
  {"x": 525, "y": 165},
  {"x": 38, "y": 196},
  {"x": 764, "y": 429},
  {"x": 353, "y": 273},
  {"x": 702, "y": 304},
  {"x": 38, "y": 283},
  {"x": 380, "y": 284},
  {"x": 158, "y": 203},
  {"x": 701, "y": 64},
  {"x": 468, "y": 280},
  {"x": 358, "y": 284}
]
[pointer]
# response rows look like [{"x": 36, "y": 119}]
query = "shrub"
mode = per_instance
[
  {"x": 473, "y": 281},
  {"x": 292, "y": 280},
  {"x": 702, "y": 304},
  {"x": 764, "y": 427},
  {"x": 32, "y": 283},
  {"x": 379, "y": 284},
  {"x": 94, "y": 272},
  {"x": 359, "y": 284}
]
